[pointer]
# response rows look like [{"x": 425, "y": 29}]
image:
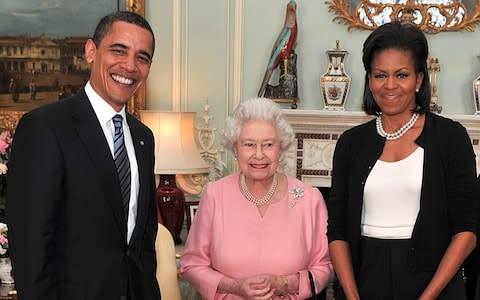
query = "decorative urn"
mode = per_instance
[{"x": 335, "y": 83}]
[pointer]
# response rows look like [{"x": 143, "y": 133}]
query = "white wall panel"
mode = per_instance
[{"x": 159, "y": 91}]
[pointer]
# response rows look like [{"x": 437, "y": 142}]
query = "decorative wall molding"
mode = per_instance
[
  {"x": 206, "y": 140},
  {"x": 238, "y": 54},
  {"x": 317, "y": 131},
  {"x": 214, "y": 157},
  {"x": 186, "y": 49},
  {"x": 176, "y": 46},
  {"x": 237, "y": 67}
]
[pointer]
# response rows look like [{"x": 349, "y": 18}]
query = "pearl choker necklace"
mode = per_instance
[
  {"x": 252, "y": 198},
  {"x": 399, "y": 133}
]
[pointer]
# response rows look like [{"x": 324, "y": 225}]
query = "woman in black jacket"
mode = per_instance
[{"x": 403, "y": 205}]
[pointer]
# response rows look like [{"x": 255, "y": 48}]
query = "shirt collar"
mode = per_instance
[{"x": 102, "y": 109}]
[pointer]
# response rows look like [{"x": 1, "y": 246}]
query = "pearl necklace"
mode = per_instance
[
  {"x": 252, "y": 198},
  {"x": 399, "y": 133}
]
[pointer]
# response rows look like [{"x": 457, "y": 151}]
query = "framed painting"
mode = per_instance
[
  {"x": 190, "y": 211},
  {"x": 42, "y": 56}
]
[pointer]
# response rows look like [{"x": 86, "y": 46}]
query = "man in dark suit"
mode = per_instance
[{"x": 81, "y": 214}]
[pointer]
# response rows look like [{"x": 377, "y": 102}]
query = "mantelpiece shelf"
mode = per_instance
[{"x": 318, "y": 130}]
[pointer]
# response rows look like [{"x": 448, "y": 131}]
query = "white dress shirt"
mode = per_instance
[{"x": 105, "y": 114}]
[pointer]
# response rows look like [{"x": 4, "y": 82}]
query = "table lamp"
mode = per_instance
[{"x": 176, "y": 152}]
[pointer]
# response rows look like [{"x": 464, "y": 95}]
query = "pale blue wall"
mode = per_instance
[
  {"x": 224, "y": 46},
  {"x": 207, "y": 54},
  {"x": 204, "y": 57},
  {"x": 159, "y": 85}
]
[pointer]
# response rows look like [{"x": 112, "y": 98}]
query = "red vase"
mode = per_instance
[{"x": 171, "y": 204}]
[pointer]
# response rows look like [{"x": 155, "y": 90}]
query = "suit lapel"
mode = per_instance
[
  {"x": 93, "y": 138},
  {"x": 142, "y": 147}
]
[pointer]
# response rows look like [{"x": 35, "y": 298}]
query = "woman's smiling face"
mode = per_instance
[
  {"x": 258, "y": 150},
  {"x": 393, "y": 81}
]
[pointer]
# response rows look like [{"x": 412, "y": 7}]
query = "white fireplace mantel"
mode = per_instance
[{"x": 317, "y": 131}]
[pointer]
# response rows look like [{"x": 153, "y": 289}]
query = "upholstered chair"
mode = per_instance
[{"x": 167, "y": 274}]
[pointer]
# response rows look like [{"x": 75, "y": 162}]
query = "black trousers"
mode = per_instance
[{"x": 385, "y": 275}]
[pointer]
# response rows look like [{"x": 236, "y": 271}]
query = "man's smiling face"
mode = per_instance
[{"x": 120, "y": 63}]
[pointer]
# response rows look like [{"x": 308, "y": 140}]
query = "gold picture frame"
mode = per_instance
[
  {"x": 9, "y": 119},
  {"x": 137, "y": 102}
]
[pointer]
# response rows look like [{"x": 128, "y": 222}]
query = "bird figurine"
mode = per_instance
[{"x": 286, "y": 42}]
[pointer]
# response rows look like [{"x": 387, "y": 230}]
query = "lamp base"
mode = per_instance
[{"x": 171, "y": 204}]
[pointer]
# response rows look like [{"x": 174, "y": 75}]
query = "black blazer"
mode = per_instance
[
  {"x": 67, "y": 229},
  {"x": 448, "y": 201}
]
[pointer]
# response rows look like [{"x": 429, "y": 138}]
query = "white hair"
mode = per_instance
[{"x": 257, "y": 109}]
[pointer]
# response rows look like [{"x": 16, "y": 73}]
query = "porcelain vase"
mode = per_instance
[
  {"x": 6, "y": 271},
  {"x": 335, "y": 83}
]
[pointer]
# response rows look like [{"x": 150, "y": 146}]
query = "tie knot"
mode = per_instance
[{"x": 117, "y": 121}]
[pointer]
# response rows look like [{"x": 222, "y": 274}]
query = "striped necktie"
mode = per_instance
[{"x": 121, "y": 162}]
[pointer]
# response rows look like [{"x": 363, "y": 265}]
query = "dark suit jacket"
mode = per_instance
[{"x": 67, "y": 229}]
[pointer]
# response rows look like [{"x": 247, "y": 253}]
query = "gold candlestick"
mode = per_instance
[
  {"x": 433, "y": 70},
  {"x": 476, "y": 93}
]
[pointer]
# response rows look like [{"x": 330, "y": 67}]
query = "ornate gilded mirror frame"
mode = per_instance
[
  {"x": 137, "y": 102},
  {"x": 9, "y": 119},
  {"x": 431, "y": 16}
]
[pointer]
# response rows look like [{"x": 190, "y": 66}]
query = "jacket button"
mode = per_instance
[
  {"x": 127, "y": 253},
  {"x": 123, "y": 298}
]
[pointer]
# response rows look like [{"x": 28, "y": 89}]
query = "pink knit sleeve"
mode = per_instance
[
  {"x": 320, "y": 264},
  {"x": 195, "y": 262}
]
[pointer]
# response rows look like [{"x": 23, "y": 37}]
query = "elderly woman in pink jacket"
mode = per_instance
[{"x": 258, "y": 233}]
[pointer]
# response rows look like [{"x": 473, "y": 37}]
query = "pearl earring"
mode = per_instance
[{"x": 416, "y": 90}]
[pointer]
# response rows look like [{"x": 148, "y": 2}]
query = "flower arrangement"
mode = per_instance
[
  {"x": 5, "y": 142},
  {"x": 3, "y": 240}
]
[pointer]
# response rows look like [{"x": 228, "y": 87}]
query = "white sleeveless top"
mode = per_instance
[{"x": 391, "y": 198}]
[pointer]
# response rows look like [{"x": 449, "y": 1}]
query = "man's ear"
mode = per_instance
[{"x": 90, "y": 50}]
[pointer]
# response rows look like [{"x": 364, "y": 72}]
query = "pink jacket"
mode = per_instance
[{"x": 229, "y": 237}]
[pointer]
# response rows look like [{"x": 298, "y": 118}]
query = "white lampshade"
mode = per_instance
[{"x": 175, "y": 149}]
